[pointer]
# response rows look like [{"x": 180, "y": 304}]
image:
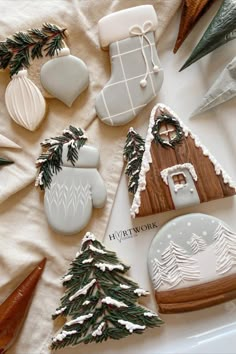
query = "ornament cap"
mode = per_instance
[
  {"x": 63, "y": 52},
  {"x": 20, "y": 73}
]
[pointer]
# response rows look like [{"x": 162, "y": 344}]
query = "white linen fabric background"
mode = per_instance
[{"x": 25, "y": 237}]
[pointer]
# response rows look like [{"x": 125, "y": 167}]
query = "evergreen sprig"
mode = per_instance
[
  {"x": 133, "y": 154},
  {"x": 88, "y": 284},
  {"x": 17, "y": 51},
  {"x": 172, "y": 121},
  {"x": 4, "y": 161},
  {"x": 50, "y": 161}
]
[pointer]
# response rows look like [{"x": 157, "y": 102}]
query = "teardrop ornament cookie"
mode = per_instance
[{"x": 65, "y": 77}]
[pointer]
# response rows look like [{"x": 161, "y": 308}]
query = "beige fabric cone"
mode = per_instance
[{"x": 26, "y": 236}]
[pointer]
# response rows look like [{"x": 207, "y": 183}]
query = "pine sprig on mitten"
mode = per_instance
[
  {"x": 16, "y": 52},
  {"x": 133, "y": 153},
  {"x": 100, "y": 300},
  {"x": 50, "y": 161}
]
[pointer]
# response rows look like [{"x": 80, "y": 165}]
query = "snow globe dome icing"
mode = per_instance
[{"x": 192, "y": 263}]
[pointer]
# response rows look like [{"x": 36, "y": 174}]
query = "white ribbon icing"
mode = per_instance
[{"x": 137, "y": 30}]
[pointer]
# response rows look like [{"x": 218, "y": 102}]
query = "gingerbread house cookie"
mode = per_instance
[{"x": 176, "y": 170}]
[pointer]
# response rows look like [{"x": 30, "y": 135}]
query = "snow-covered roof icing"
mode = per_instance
[{"x": 147, "y": 158}]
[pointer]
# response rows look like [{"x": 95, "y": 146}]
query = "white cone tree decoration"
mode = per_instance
[
  {"x": 225, "y": 247},
  {"x": 223, "y": 89},
  {"x": 100, "y": 300},
  {"x": 179, "y": 266},
  {"x": 7, "y": 143},
  {"x": 24, "y": 101},
  {"x": 197, "y": 243}
]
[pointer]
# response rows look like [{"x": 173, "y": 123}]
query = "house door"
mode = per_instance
[{"x": 182, "y": 188}]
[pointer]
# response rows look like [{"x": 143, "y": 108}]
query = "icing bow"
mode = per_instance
[{"x": 141, "y": 31}]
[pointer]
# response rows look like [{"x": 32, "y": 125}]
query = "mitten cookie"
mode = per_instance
[
  {"x": 73, "y": 186},
  {"x": 175, "y": 170},
  {"x": 192, "y": 263},
  {"x": 136, "y": 73}
]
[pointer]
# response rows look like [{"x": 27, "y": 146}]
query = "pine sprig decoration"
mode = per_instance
[
  {"x": 133, "y": 154},
  {"x": 100, "y": 301},
  {"x": 17, "y": 51},
  {"x": 178, "y": 133},
  {"x": 4, "y": 162},
  {"x": 50, "y": 161}
]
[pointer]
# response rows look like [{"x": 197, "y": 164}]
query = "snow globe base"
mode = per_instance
[{"x": 192, "y": 263}]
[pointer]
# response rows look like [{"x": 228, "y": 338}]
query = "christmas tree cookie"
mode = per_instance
[
  {"x": 192, "y": 263},
  {"x": 176, "y": 170},
  {"x": 73, "y": 186},
  {"x": 100, "y": 301}
]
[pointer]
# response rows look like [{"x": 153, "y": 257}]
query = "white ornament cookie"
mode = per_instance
[
  {"x": 73, "y": 186},
  {"x": 65, "y": 76},
  {"x": 24, "y": 101},
  {"x": 192, "y": 263},
  {"x": 136, "y": 75}
]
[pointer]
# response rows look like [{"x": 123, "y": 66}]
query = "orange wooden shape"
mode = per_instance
[
  {"x": 198, "y": 296},
  {"x": 192, "y": 11},
  {"x": 13, "y": 310}
]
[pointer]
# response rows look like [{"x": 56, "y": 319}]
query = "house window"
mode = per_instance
[
  {"x": 167, "y": 132},
  {"x": 179, "y": 179}
]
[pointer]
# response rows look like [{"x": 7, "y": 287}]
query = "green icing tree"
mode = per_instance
[
  {"x": 133, "y": 154},
  {"x": 100, "y": 301}
]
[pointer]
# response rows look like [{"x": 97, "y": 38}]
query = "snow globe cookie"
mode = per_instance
[
  {"x": 192, "y": 263},
  {"x": 73, "y": 186}
]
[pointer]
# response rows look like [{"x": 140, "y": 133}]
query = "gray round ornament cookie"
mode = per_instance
[
  {"x": 65, "y": 77},
  {"x": 192, "y": 263}
]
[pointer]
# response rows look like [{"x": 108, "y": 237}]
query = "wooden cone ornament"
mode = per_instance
[
  {"x": 14, "y": 308},
  {"x": 220, "y": 31},
  {"x": 65, "y": 77},
  {"x": 192, "y": 11},
  {"x": 24, "y": 101}
]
